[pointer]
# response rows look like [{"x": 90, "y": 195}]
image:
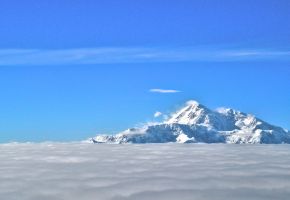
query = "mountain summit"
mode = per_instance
[{"x": 195, "y": 123}]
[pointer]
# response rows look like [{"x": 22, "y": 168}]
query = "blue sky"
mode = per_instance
[{"x": 71, "y": 69}]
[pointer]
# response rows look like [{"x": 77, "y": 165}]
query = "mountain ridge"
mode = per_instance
[{"x": 195, "y": 123}]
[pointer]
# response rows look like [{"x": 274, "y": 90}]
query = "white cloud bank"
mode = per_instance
[
  {"x": 144, "y": 172},
  {"x": 163, "y": 91},
  {"x": 103, "y": 55}
]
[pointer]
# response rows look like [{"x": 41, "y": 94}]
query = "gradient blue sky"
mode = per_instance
[{"x": 70, "y": 69}]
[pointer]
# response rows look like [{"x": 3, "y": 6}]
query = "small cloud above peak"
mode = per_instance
[
  {"x": 158, "y": 90},
  {"x": 192, "y": 103},
  {"x": 157, "y": 114}
]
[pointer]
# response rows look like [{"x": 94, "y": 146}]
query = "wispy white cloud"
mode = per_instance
[
  {"x": 157, "y": 114},
  {"x": 104, "y": 55},
  {"x": 163, "y": 91}
]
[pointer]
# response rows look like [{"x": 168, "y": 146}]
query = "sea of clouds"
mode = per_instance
[{"x": 75, "y": 171}]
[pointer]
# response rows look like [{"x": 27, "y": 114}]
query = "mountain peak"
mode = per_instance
[
  {"x": 196, "y": 123},
  {"x": 192, "y": 113},
  {"x": 228, "y": 111}
]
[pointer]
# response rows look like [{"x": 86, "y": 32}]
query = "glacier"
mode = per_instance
[{"x": 195, "y": 123}]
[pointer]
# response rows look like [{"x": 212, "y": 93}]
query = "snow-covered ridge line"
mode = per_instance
[{"x": 195, "y": 123}]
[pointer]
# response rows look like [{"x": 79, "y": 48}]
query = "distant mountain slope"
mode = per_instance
[{"x": 195, "y": 123}]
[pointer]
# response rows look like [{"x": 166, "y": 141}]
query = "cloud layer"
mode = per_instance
[
  {"x": 144, "y": 172},
  {"x": 103, "y": 55}
]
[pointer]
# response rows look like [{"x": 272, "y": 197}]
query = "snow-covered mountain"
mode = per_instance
[{"x": 195, "y": 123}]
